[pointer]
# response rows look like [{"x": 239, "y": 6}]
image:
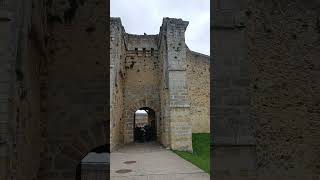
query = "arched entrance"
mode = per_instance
[
  {"x": 152, "y": 108},
  {"x": 144, "y": 124}
]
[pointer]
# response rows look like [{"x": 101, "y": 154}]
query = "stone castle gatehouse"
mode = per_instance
[{"x": 159, "y": 73}]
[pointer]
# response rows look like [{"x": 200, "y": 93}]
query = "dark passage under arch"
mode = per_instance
[{"x": 145, "y": 128}]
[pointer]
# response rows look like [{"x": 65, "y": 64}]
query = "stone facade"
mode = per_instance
[
  {"x": 77, "y": 84},
  {"x": 54, "y": 86},
  {"x": 142, "y": 79},
  {"x": 52, "y": 98},
  {"x": 264, "y": 91},
  {"x": 155, "y": 71},
  {"x": 116, "y": 82},
  {"x": 198, "y": 73},
  {"x": 21, "y": 118},
  {"x": 285, "y": 92}
]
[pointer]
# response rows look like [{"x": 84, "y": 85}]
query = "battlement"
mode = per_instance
[
  {"x": 148, "y": 45},
  {"x": 141, "y": 42},
  {"x": 141, "y": 45}
]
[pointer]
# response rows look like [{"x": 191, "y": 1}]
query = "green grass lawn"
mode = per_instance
[{"x": 201, "y": 151}]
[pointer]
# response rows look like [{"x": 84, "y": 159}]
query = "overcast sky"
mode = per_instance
[{"x": 145, "y": 16}]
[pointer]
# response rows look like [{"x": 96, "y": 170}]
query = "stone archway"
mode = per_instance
[
  {"x": 129, "y": 118},
  {"x": 64, "y": 158},
  {"x": 149, "y": 121},
  {"x": 95, "y": 164}
]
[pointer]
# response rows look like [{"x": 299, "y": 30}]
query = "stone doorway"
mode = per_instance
[{"x": 145, "y": 125}]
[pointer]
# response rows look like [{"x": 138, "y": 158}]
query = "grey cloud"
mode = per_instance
[{"x": 145, "y": 16}]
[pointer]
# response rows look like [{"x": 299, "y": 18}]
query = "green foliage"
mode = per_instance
[{"x": 201, "y": 151}]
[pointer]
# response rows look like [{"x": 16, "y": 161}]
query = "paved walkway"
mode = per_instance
[{"x": 151, "y": 162}]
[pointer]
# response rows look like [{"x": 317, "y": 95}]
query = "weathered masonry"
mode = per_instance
[
  {"x": 158, "y": 72},
  {"x": 265, "y": 89},
  {"x": 53, "y": 87}
]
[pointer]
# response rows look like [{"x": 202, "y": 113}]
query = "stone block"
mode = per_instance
[
  {"x": 5, "y": 77},
  {"x": 234, "y": 161}
]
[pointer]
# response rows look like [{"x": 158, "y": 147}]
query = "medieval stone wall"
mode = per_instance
[
  {"x": 272, "y": 58},
  {"x": 21, "y": 129},
  {"x": 233, "y": 138},
  {"x": 156, "y": 76},
  {"x": 176, "y": 74},
  {"x": 28, "y": 123},
  {"x": 141, "y": 43},
  {"x": 284, "y": 53},
  {"x": 164, "y": 92},
  {"x": 34, "y": 144},
  {"x": 198, "y": 77},
  {"x": 8, "y": 31},
  {"x": 142, "y": 79},
  {"x": 273, "y": 46},
  {"x": 117, "y": 75},
  {"x": 77, "y": 84}
]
